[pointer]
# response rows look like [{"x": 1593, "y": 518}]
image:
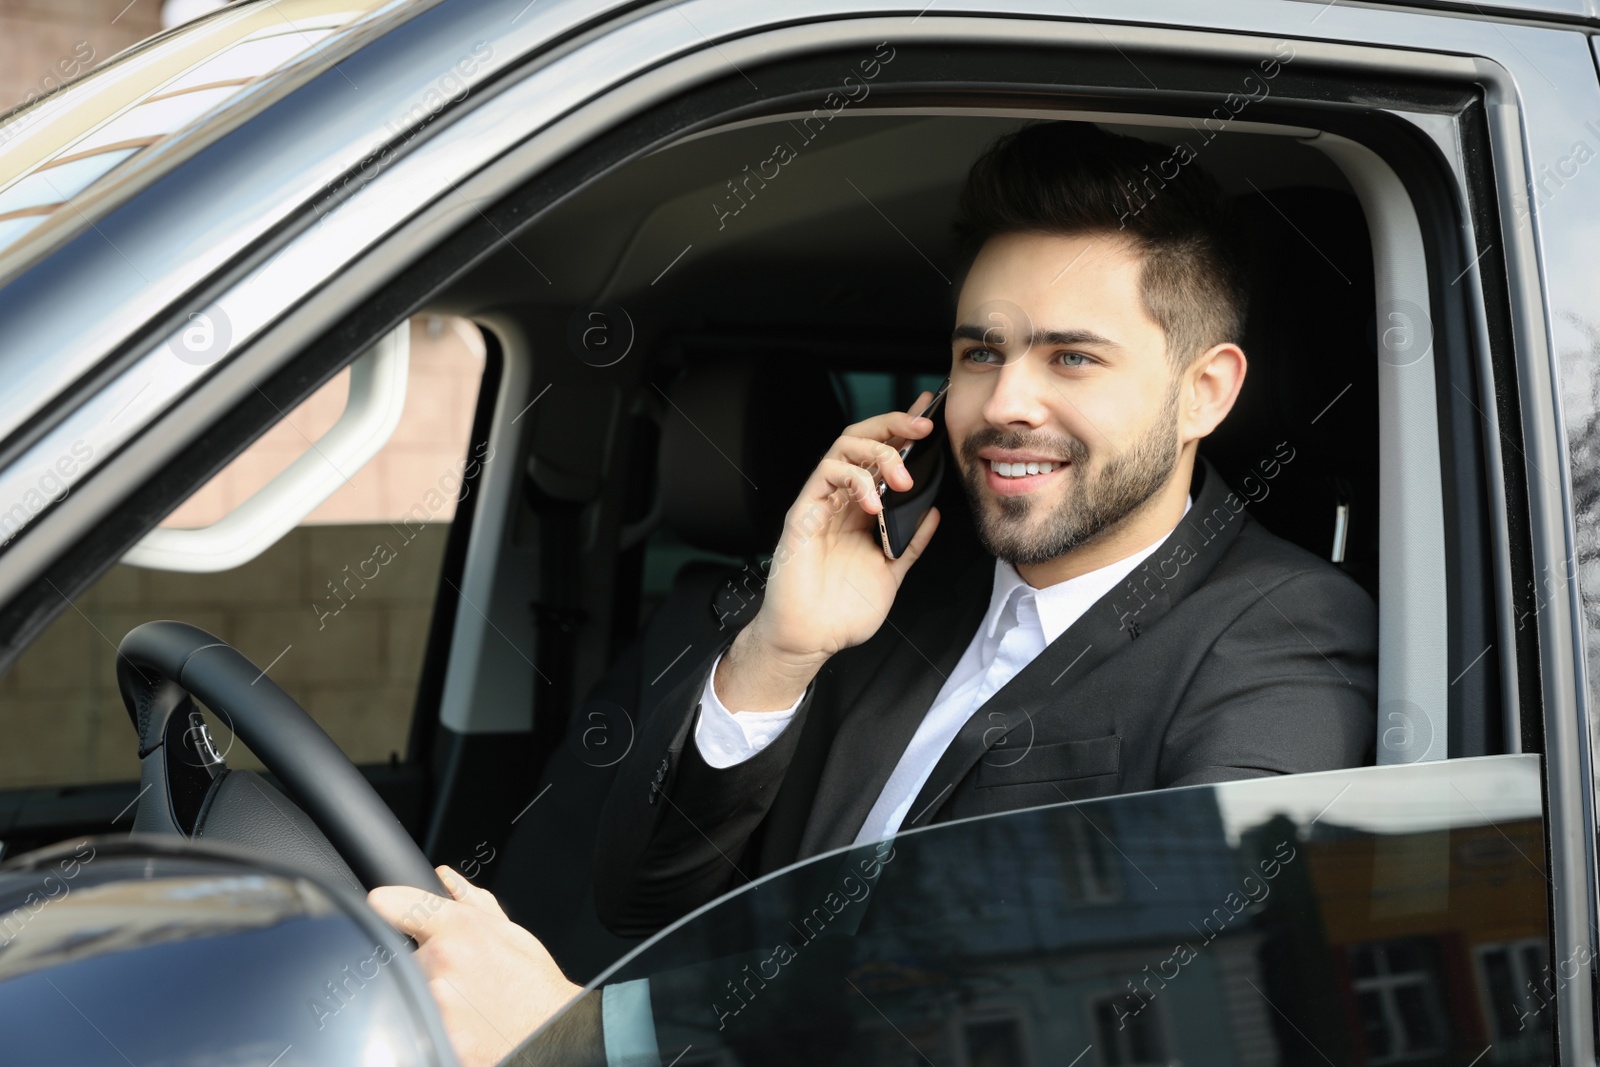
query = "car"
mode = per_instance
[{"x": 385, "y": 385}]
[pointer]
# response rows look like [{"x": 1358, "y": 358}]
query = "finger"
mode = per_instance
[
  {"x": 834, "y": 474},
  {"x": 816, "y": 510},
  {"x": 456, "y": 884},
  {"x": 471, "y": 895},
  {"x": 919, "y": 541},
  {"x": 876, "y": 458},
  {"x": 918, "y": 422},
  {"x": 889, "y": 425},
  {"x": 414, "y": 912}
]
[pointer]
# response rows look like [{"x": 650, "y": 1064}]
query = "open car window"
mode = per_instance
[
  {"x": 1376, "y": 915},
  {"x": 1328, "y": 422}
]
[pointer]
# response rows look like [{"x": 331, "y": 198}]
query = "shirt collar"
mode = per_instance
[{"x": 1064, "y": 603}]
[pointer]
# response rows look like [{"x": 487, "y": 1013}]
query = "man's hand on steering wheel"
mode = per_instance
[{"x": 493, "y": 981}]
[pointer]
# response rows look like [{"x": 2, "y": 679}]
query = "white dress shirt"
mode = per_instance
[{"x": 1020, "y": 622}]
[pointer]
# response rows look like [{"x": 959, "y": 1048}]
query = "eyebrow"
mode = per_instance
[{"x": 1040, "y": 339}]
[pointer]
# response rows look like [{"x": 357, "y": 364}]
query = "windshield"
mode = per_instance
[
  {"x": 1371, "y": 916},
  {"x": 65, "y": 145}
]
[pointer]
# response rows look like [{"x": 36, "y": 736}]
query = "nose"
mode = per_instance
[{"x": 1018, "y": 395}]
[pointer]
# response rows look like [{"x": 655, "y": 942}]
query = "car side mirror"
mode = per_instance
[{"x": 161, "y": 950}]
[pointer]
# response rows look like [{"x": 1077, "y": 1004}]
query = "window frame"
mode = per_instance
[
  {"x": 1158, "y": 1023},
  {"x": 1513, "y": 950},
  {"x": 1385, "y": 985},
  {"x": 962, "y": 1018}
]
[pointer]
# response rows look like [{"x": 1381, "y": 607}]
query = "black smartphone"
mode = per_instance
[{"x": 924, "y": 459}]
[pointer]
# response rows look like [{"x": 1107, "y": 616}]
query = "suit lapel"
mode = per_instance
[
  {"x": 1193, "y": 548},
  {"x": 881, "y": 722}
]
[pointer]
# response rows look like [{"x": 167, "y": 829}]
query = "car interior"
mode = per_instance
[
  {"x": 693, "y": 384},
  {"x": 828, "y": 302}
]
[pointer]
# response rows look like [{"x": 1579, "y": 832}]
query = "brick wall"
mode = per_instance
[
  {"x": 428, "y": 444},
  {"x": 355, "y": 671}
]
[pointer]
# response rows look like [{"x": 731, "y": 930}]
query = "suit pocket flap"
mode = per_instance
[{"x": 1051, "y": 763}]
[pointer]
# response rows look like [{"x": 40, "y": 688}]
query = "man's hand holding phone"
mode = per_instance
[{"x": 831, "y": 584}]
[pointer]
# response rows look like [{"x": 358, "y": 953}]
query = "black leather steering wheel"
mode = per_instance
[{"x": 188, "y": 789}]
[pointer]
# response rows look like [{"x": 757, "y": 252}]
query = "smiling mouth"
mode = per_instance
[
  {"x": 1011, "y": 479},
  {"x": 1020, "y": 470}
]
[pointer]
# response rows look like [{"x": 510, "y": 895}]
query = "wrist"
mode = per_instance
[
  {"x": 752, "y": 676},
  {"x": 753, "y": 645}
]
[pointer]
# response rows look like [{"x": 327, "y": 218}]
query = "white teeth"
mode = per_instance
[{"x": 1019, "y": 470}]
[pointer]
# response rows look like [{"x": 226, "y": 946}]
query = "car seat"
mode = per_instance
[
  {"x": 737, "y": 441},
  {"x": 1311, "y": 392}
]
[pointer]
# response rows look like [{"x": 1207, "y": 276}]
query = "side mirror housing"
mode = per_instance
[{"x": 161, "y": 950}]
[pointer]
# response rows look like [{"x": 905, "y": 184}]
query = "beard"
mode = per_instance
[{"x": 1093, "y": 505}]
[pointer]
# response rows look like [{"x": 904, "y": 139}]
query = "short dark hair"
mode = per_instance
[{"x": 1074, "y": 178}]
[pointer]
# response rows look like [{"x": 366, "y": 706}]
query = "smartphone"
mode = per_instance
[{"x": 924, "y": 459}]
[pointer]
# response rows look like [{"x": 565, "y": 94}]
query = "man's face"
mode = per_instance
[{"x": 1055, "y": 359}]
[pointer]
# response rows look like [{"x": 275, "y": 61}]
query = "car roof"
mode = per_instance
[{"x": 73, "y": 152}]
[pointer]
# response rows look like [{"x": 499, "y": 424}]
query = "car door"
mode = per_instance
[{"x": 1365, "y": 916}]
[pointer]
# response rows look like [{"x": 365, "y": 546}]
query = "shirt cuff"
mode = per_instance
[
  {"x": 628, "y": 1025},
  {"x": 724, "y": 738}
]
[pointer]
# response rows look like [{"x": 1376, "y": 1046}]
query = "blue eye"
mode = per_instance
[
  {"x": 971, "y": 352},
  {"x": 1075, "y": 359}
]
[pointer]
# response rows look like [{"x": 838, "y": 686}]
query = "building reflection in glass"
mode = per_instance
[{"x": 1375, "y": 916}]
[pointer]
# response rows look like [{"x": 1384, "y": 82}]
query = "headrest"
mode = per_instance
[{"x": 739, "y": 439}]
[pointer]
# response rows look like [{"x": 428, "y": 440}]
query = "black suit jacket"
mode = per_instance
[{"x": 1228, "y": 653}]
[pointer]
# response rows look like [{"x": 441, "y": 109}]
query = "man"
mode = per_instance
[{"x": 1136, "y": 629}]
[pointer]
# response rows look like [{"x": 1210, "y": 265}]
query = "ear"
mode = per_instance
[{"x": 1210, "y": 387}]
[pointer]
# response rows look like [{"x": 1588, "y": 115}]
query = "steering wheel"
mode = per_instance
[{"x": 188, "y": 789}]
